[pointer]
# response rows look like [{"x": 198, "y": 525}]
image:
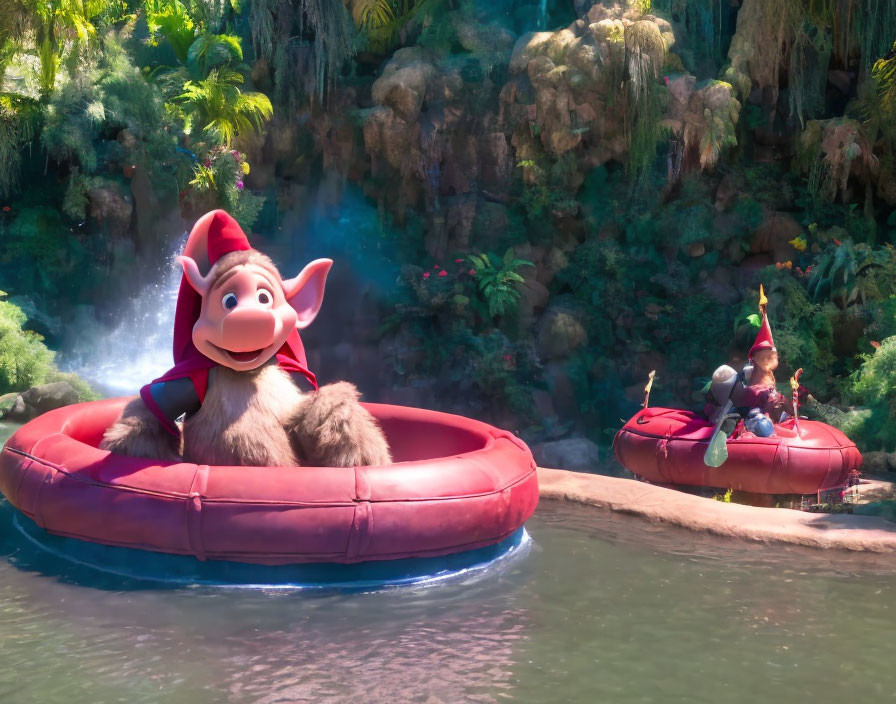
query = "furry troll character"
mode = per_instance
[{"x": 240, "y": 366}]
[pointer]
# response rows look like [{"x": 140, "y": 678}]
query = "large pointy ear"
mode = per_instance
[
  {"x": 191, "y": 272},
  {"x": 305, "y": 292}
]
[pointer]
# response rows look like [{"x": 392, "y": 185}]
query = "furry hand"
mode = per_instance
[
  {"x": 332, "y": 429},
  {"x": 138, "y": 433}
]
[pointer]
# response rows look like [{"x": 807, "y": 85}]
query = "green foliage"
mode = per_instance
[
  {"x": 220, "y": 109},
  {"x": 874, "y": 387},
  {"x": 19, "y": 117},
  {"x": 537, "y": 195},
  {"x": 599, "y": 393},
  {"x": 204, "y": 92},
  {"x": 718, "y": 132},
  {"x": 645, "y": 96},
  {"x": 105, "y": 95},
  {"x": 505, "y": 374},
  {"x": 306, "y": 43},
  {"x": 598, "y": 276},
  {"x": 803, "y": 329},
  {"x": 85, "y": 391},
  {"x": 724, "y": 498},
  {"x": 211, "y": 51},
  {"x": 828, "y": 151},
  {"x": 172, "y": 20},
  {"x": 810, "y": 56},
  {"x": 883, "y": 107},
  {"x": 497, "y": 279},
  {"x": 37, "y": 243},
  {"x": 66, "y": 27},
  {"x": 380, "y": 21},
  {"x": 24, "y": 359},
  {"x": 222, "y": 174},
  {"x": 841, "y": 273}
]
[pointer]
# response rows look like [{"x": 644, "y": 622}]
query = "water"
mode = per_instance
[
  {"x": 601, "y": 609},
  {"x": 118, "y": 362}
]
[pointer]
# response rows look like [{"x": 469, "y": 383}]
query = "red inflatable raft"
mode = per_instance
[
  {"x": 666, "y": 445},
  {"x": 457, "y": 484}
]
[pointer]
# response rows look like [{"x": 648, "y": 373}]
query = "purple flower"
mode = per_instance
[{"x": 239, "y": 185}]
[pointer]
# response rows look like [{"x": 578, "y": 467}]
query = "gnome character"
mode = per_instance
[
  {"x": 761, "y": 391},
  {"x": 240, "y": 377}
]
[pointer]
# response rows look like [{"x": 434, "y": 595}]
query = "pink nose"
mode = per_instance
[{"x": 247, "y": 329}]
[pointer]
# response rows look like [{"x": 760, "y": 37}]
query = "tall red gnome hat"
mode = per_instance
[
  {"x": 764, "y": 340},
  {"x": 214, "y": 235}
]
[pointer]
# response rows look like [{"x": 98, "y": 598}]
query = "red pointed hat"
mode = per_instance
[
  {"x": 214, "y": 235},
  {"x": 224, "y": 236},
  {"x": 764, "y": 340}
]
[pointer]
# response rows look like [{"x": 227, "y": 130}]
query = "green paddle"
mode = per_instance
[{"x": 717, "y": 452}]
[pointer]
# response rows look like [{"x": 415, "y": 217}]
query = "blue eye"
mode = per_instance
[{"x": 229, "y": 301}]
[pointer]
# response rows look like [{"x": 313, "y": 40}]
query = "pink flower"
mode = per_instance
[
  {"x": 472, "y": 272},
  {"x": 666, "y": 79},
  {"x": 458, "y": 261},
  {"x": 443, "y": 273},
  {"x": 6, "y": 208},
  {"x": 239, "y": 185},
  {"x": 508, "y": 357},
  {"x": 425, "y": 274},
  {"x": 435, "y": 266}
]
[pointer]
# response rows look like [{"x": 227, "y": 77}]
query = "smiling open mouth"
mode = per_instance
[{"x": 240, "y": 356}]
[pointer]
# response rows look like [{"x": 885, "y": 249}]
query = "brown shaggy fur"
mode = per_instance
[
  {"x": 242, "y": 419},
  {"x": 138, "y": 433},
  {"x": 232, "y": 259},
  {"x": 331, "y": 429}
]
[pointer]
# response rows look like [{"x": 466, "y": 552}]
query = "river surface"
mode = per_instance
[{"x": 601, "y": 608}]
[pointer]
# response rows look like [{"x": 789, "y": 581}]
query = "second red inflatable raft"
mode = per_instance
[{"x": 667, "y": 445}]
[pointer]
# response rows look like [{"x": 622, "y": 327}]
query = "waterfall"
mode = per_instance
[{"x": 119, "y": 361}]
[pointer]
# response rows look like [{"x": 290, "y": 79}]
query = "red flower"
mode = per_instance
[
  {"x": 443, "y": 273},
  {"x": 836, "y": 242},
  {"x": 508, "y": 357},
  {"x": 425, "y": 274},
  {"x": 666, "y": 79},
  {"x": 6, "y": 208},
  {"x": 875, "y": 345},
  {"x": 472, "y": 272},
  {"x": 458, "y": 261},
  {"x": 435, "y": 266}
]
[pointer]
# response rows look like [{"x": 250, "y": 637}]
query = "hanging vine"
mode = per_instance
[
  {"x": 645, "y": 55},
  {"x": 307, "y": 42}
]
